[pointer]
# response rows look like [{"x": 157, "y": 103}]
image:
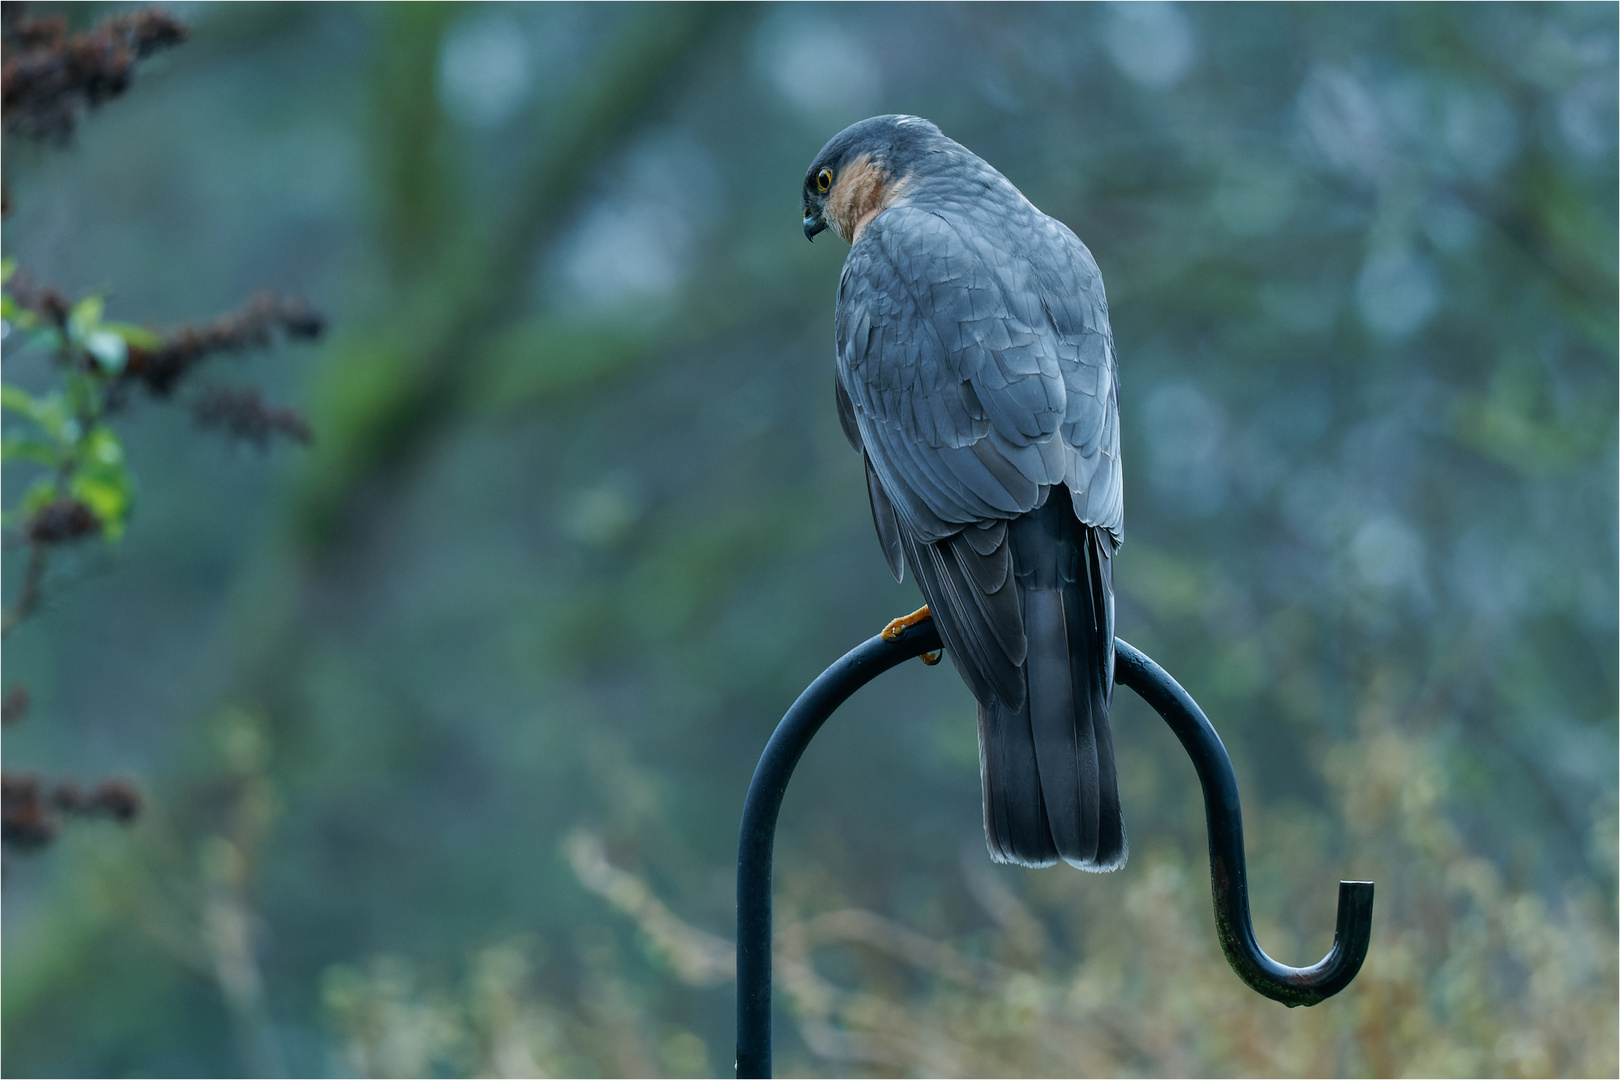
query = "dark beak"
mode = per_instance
[{"x": 812, "y": 225}]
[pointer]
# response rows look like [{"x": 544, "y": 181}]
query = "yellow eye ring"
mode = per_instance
[{"x": 823, "y": 179}]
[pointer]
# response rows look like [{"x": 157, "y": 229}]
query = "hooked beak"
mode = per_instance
[{"x": 812, "y": 225}]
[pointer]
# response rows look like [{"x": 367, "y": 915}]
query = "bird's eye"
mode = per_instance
[{"x": 823, "y": 179}]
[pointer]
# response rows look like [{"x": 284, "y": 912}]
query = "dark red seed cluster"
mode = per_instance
[{"x": 48, "y": 76}]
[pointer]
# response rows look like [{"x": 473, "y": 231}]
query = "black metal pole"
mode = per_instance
[
  {"x": 1228, "y": 874},
  {"x": 758, "y": 838}
]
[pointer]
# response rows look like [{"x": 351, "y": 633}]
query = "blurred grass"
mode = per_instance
[{"x": 1466, "y": 975}]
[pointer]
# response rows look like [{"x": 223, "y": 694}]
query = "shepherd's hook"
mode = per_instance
[{"x": 1227, "y": 872}]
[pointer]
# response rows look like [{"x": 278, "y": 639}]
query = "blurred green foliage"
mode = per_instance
[
  {"x": 445, "y": 727},
  {"x": 80, "y": 455}
]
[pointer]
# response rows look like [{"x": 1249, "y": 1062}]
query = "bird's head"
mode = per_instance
[{"x": 862, "y": 171}]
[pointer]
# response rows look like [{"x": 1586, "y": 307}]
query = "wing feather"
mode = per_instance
[
  {"x": 978, "y": 377},
  {"x": 888, "y": 529},
  {"x": 982, "y": 631}
]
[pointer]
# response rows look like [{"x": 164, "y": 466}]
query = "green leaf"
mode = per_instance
[
  {"x": 103, "y": 481},
  {"x": 136, "y": 336},
  {"x": 7, "y": 268},
  {"x": 41, "y": 492},
  {"x": 102, "y": 446},
  {"x": 109, "y": 349},
  {"x": 50, "y": 413},
  {"x": 22, "y": 448},
  {"x": 83, "y": 399},
  {"x": 108, "y": 490},
  {"x": 85, "y": 317},
  {"x": 19, "y": 400},
  {"x": 15, "y": 314},
  {"x": 57, "y": 420}
]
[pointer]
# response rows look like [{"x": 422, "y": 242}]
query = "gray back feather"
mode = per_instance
[{"x": 976, "y": 357}]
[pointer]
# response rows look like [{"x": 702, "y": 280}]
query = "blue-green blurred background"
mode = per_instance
[{"x": 444, "y": 723}]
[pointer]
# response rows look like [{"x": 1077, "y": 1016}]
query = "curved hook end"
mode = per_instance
[
  {"x": 1353, "y": 932},
  {"x": 1315, "y": 984},
  {"x": 1351, "y": 938}
]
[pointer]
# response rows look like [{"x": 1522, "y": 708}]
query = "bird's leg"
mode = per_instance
[{"x": 899, "y": 626}]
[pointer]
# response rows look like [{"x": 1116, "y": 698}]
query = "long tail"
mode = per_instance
[{"x": 1050, "y": 789}]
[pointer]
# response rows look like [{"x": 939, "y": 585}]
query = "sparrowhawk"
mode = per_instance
[{"x": 976, "y": 374}]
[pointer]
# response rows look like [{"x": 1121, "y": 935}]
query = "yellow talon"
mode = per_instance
[
  {"x": 899, "y": 626},
  {"x": 896, "y": 629}
]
